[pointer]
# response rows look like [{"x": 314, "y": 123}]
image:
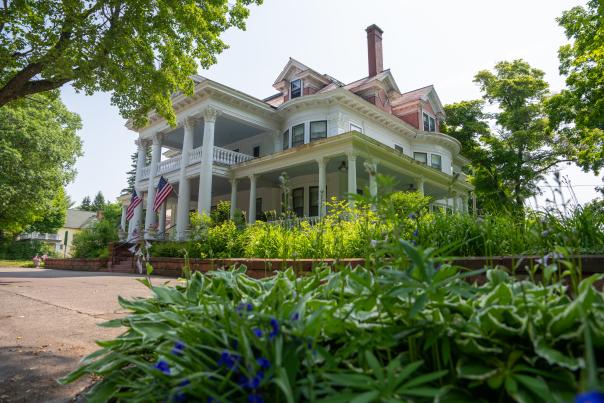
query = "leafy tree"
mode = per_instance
[
  {"x": 141, "y": 51},
  {"x": 99, "y": 202},
  {"x": 510, "y": 160},
  {"x": 86, "y": 204},
  {"x": 579, "y": 109},
  {"x": 38, "y": 150},
  {"x": 54, "y": 217}
]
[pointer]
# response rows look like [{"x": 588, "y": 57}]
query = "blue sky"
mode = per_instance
[{"x": 425, "y": 42}]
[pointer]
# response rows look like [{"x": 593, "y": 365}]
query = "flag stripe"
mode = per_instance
[
  {"x": 164, "y": 189},
  {"x": 134, "y": 202}
]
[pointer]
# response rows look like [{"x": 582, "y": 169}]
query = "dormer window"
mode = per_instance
[
  {"x": 429, "y": 123},
  {"x": 295, "y": 89}
]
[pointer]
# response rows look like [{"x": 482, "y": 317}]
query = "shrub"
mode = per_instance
[
  {"x": 410, "y": 329},
  {"x": 92, "y": 242}
]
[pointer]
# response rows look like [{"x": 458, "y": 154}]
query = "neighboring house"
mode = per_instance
[
  {"x": 75, "y": 221},
  {"x": 331, "y": 139}
]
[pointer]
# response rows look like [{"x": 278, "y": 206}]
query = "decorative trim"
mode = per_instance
[{"x": 210, "y": 114}]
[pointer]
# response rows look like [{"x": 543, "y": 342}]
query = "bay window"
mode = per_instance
[{"x": 421, "y": 157}]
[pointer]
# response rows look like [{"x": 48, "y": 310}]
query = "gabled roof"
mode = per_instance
[
  {"x": 385, "y": 77},
  {"x": 78, "y": 218},
  {"x": 426, "y": 94}
]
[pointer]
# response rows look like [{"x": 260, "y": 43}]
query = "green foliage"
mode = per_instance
[
  {"x": 397, "y": 215},
  {"x": 508, "y": 162},
  {"x": 141, "y": 51},
  {"x": 92, "y": 242},
  {"x": 38, "y": 150},
  {"x": 10, "y": 249},
  {"x": 579, "y": 109},
  {"x": 54, "y": 217},
  {"x": 407, "y": 328},
  {"x": 86, "y": 204}
]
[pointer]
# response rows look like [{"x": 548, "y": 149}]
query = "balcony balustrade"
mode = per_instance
[
  {"x": 222, "y": 156},
  {"x": 39, "y": 236}
]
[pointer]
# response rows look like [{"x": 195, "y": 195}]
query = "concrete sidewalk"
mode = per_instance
[{"x": 48, "y": 322}]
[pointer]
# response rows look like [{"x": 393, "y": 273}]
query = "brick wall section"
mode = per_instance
[
  {"x": 257, "y": 268},
  {"x": 77, "y": 264}
]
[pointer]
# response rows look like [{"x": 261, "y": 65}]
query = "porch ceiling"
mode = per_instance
[{"x": 226, "y": 131}]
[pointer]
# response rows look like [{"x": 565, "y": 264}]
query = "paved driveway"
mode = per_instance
[{"x": 48, "y": 322}]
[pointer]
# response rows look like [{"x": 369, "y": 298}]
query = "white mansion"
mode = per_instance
[{"x": 329, "y": 137}]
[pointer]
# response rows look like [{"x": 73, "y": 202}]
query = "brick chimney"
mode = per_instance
[{"x": 374, "y": 47}]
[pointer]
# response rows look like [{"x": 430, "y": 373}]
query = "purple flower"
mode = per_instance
[
  {"x": 163, "y": 367},
  {"x": 254, "y": 398},
  {"x": 296, "y": 316},
  {"x": 263, "y": 362},
  {"x": 411, "y": 216},
  {"x": 257, "y": 332},
  {"x": 415, "y": 233},
  {"x": 250, "y": 307},
  {"x": 178, "y": 348},
  {"x": 590, "y": 397},
  {"x": 275, "y": 326},
  {"x": 228, "y": 360}
]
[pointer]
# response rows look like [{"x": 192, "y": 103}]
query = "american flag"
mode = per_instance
[
  {"x": 164, "y": 189},
  {"x": 134, "y": 202}
]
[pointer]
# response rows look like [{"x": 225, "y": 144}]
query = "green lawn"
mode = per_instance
[{"x": 16, "y": 263}]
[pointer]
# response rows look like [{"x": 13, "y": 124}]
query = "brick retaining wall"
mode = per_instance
[{"x": 76, "y": 264}]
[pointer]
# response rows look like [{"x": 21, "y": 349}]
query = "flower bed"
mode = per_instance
[{"x": 406, "y": 328}]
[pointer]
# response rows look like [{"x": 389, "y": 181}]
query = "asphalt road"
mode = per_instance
[{"x": 48, "y": 322}]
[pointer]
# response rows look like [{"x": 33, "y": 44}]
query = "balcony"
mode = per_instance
[
  {"x": 222, "y": 157},
  {"x": 39, "y": 236}
]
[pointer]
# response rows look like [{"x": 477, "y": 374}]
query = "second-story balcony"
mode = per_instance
[{"x": 222, "y": 156}]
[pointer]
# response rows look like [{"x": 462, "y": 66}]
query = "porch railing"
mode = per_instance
[
  {"x": 222, "y": 156},
  {"x": 39, "y": 236}
]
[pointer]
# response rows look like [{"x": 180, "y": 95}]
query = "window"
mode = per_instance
[
  {"x": 399, "y": 148},
  {"x": 296, "y": 89},
  {"x": 256, "y": 151},
  {"x": 318, "y": 130},
  {"x": 286, "y": 139},
  {"x": 355, "y": 128},
  {"x": 429, "y": 123},
  {"x": 421, "y": 157},
  {"x": 258, "y": 208},
  {"x": 298, "y": 135},
  {"x": 298, "y": 201},
  {"x": 436, "y": 161},
  {"x": 313, "y": 201}
]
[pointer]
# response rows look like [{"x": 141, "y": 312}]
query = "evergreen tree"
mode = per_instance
[
  {"x": 86, "y": 204},
  {"x": 99, "y": 202}
]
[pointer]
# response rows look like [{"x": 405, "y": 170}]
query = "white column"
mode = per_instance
[
  {"x": 155, "y": 157},
  {"x": 140, "y": 164},
  {"x": 464, "y": 201},
  {"x": 474, "y": 212},
  {"x": 455, "y": 202},
  {"x": 204, "y": 199},
  {"x": 252, "y": 208},
  {"x": 373, "y": 186},
  {"x": 162, "y": 219},
  {"x": 233, "y": 198},
  {"x": 419, "y": 184},
  {"x": 352, "y": 177},
  {"x": 322, "y": 186},
  {"x": 123, "y": 219},
  {"x": 184, "y": 190}
]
